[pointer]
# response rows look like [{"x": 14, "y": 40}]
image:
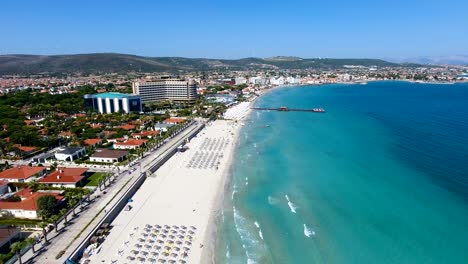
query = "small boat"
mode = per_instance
[
  {"x": 283, "y": 108},
  {"x": 318, "y": 110}
]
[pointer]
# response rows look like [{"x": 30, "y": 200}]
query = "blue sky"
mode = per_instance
[{"x": 236, "y": 29}]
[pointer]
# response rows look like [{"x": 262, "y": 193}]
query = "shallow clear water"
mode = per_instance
[{"x": 382, "y": 177}]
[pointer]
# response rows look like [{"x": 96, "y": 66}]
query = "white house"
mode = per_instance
[{"x": 70, "y": 154}]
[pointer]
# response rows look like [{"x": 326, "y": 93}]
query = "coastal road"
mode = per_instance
[{"x": 87, "y": 219}]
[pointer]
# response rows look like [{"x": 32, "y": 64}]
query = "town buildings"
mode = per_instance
[
  {"x": 70, "y": 154},
  {"x": 65, "y": 177},
  {"x": 166, "y": 89},
  {"x": 108, "y": 156},
  {"x": 106, "y": 103},
  {"x": 22, "y": 174}
]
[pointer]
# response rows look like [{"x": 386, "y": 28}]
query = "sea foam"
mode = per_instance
[
  {"x": 308, "y": 232},
  {"x": 291, "y": 205}
]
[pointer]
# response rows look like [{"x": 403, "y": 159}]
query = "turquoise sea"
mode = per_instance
[{"x": 382, "y": 177}]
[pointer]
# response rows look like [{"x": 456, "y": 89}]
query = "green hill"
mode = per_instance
[{"x": 113, "y": 62}]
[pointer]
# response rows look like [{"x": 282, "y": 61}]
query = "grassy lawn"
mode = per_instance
[{"x": 95, "y": 178}]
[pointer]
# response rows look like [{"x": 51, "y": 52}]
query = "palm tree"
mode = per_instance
[
  {"x": 54, "y": 220},
  {"x": 43, "y": 225},
  {"x": 16, "y": 247},
  {"x": 33, "y": 185},
  {"x": 64, "y": 212},
  {"x": 31, "y": 241}
]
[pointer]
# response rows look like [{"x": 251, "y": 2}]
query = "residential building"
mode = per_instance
[
  {"x": 65, "y": 177},
  {"x": 3, "y": 187},
  {"x": 22, "y": 174},
  {"x": 106, "y": 103},
  {"x": 175, "y": 120},
  {"x": 146, "y": 134},
  {"x": 166, "y": 89},
  {"x": 27, "y": 207},
  {"x": 108, "y": 155},
  {"x": 163, "y": 127},
  {"x": 70, "y": 154},
  {"x": 130, "y": 144},
  {"x": 44, "y": 158},
  {"x": 93, "y": 142}
]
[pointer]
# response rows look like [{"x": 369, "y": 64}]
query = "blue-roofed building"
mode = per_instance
[{"x": 106, "y": 103}]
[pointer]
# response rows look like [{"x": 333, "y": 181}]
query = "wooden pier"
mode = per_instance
[{"x": 285, "y": 109}]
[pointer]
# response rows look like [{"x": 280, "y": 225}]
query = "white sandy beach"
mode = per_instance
[{"x": 185, "y": 194}]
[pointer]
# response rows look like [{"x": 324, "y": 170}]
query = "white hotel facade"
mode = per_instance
[
  {"x": 166, "y": 89},
  {"x": 106, "y": 103}
]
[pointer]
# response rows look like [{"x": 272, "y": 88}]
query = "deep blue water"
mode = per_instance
[{"x": 382, "y": 177}]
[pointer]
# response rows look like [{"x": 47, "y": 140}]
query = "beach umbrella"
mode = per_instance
[
  {"x": 152, "y": 260},
  {"x": 138, "y": 245},
  {"x": 186, "y": 248},
  {"x": 174, "y": 255},
  {"x": 141, "y": 239},
  {"x": 166, "y": 226},
  {"x": 171, "y": 236},
  {"x": 144, "y": 253},
  {"x": 175, "y": 226},
  {"x": 130, "y": 258},
  {"x": 162, "y": 260},
  {"x": 172, "y": 261},
  {"x": 188, "y": 243},
  {"x": 160, "y": 241},
  {"x": 183, "y": 227},
  {"x": 158, "y": 226},
  {"x": 191, "y": 232},
  {"x": 174, "y": 231},
  {"x": 178, "y": 242},
  {"x": 154, "y": 253},
  {"x": 134, "y": 252},
  {"x": 141, "y": 259},
  {"x": 189, "y": 237},
  {"x": 148, "y": 246}
]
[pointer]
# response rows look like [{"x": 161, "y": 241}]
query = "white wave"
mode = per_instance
[
  {"x": 232, "y": 195},
  {"x": 308, "y": 232},
  {"x": 250, "y": 242},
  {"x": 272, "y": 200},
  {"x": 292, "y": 206},
  {"x": 228, "y": 253},
  {"x": 260, "y": 234}
]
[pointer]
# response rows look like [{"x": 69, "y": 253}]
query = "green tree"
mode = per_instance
[
  {"x": 31, "y": 241},
  {"x": 43, "y": 225},
  {"x": 46, "y": 206},
  {"x": 16, "y": 248}
]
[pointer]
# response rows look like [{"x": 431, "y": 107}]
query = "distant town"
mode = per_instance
[{"x": 65, "y": 140}]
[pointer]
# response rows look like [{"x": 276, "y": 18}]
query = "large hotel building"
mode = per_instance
[
  {"x": 166, "y": 89},
  {"x": 106, "y": 103}
]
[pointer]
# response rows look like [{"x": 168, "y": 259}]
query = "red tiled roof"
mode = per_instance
[
  {"x": 146, "y": 133},
  {"x": 127, "y": 127},
  {"x": 20, "y": 172},
  {"x": 29, "y": 202},
  {"x": 92, "y": 141},
  {"x": 108, "y": 133},
  {"x": 24, "y": 148},
  {"x": 174, "y": 120},
  {"x": 65, "y": 175},
  {"x": 132, "y": 142},
  {"x": 66, "y": 133},
  {"x": 95, "y": 125}
]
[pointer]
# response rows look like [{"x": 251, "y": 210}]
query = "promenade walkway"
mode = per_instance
[{"x": 70, "y": 236}]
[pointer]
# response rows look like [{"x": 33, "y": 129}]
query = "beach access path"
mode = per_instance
[{"x": 80, "y": 226}]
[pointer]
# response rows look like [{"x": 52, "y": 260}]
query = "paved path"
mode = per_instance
[{"x": 59, "y": 241}]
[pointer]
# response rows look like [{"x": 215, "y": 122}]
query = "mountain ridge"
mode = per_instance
[{"x": 117, "y": 62}]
